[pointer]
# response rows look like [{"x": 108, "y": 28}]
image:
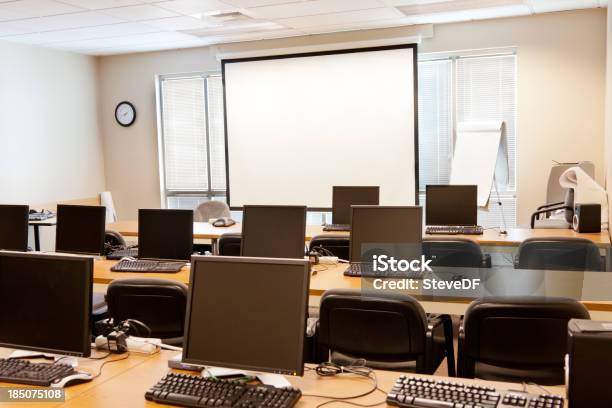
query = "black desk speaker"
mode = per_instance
[
  {"x": 589, "y": 364},
  {"x": 587, "y": 218}
]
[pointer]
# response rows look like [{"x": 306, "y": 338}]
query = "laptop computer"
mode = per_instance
[{"x": 451, "y": 210}]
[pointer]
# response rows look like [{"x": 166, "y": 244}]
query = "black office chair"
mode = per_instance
[
  {"x": 517, "y": 339},
  {"x": 455, "y": 252},
  {"x": 567, "y": 254},
  {"x": 566, "y": 207},
  {"x": 338, "y": 245},
  {"x": 229, "y": 244},
  {"x": 158, "y": 303},
  {"x": 389, "y": 330}
]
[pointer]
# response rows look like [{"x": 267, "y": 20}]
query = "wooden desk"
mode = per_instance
[
  {"x": 128, "y": 388},
  {"x": 326, "y": 277},
  {"x": 110, "y": 370},
  {"x": 491, "y": 237}
]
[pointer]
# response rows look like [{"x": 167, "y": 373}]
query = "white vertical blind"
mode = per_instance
[
  {"x": 216, "y": 132},
  {"x": 193, "y": 139},
  {"x": 486, "y": 91},
  {"x": 184, "y": 134},
  {"x": 459, "y": 89},
  {"x": 435, "y": 122}
]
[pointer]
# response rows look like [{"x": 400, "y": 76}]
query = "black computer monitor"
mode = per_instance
[
  {"x": 14, "y": 227},
  {"x": 273, "y": 231},
  {"x": 247, "y": 313},
  {"x": 345, "y": 196},
  {"x": 381, "y": 229},
  {"x": 80, "y": 229},
  {"x": 165, "y": 234},
  {"x": 451, "y": 205},
  {"x": 45, "y": 302}
]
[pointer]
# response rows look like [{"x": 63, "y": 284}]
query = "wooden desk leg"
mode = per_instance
[{"x": 36, "y": 237}]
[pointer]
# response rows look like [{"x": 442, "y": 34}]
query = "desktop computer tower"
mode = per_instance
[{"x": 588, "y": 365}]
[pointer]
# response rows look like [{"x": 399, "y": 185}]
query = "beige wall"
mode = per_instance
[
  {"x": 50, "y": 143},
  {"x": 608, "y": 120},
  {"x": 132, "y": 171},
  {"x": 561, "y": 73},
  {"x": 560, "y": 96}
]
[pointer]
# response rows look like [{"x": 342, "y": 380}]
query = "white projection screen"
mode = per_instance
[{"x": 296, "y": 125}]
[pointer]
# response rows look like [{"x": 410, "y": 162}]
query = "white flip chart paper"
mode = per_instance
[{"x": 475, "y": 157}]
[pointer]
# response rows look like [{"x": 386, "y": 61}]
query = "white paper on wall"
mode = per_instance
[
  {"x": 479, "y": 151},
  {"x": 106, "y": 200}
]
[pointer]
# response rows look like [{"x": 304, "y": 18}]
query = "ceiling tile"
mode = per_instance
[
  {"x": 238, "y": 27},
  {"x": 88, "y": 33},
  {"x": 258, "y": 3},
  {"x": 139, "y": 13},
  {"x": 313, "y": 7},
  {"x": 12, "y": 28},
  {"x": 342, "y": 18},
  {"x": 34, "y": 8},
  {"x": 67, "y": 21},
  {"x": 190, "y": 7},
  {"x": 101, "y": 4},
  {"x": 456, "y": 5},
  {"x": 125, "y": 40},
  {"x": 468, "y": 15},
  {"x": 545, "y": 6},
  {"x": 178, "y": 23}
]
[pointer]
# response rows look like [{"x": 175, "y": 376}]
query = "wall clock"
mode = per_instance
[{"x": 125, "y": 113}]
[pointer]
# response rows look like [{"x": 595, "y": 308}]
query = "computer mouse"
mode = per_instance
[
  {"x": 224, "y": 222},
  {"x": 70, "y": 380}
]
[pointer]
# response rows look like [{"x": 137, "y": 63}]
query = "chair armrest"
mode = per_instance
[
  {"x": 549, "y": 205},
  {"x": 486, "y": 261},
  {"x": 535, "y": 214}
]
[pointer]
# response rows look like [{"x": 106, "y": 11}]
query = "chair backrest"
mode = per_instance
[
  {"x": 558, "y": 254},
  {"x": 385, "y": 326},
  {"x": 339, "y": 245},
  {"x": 518, "y": 332},
  {"x": 229, "y": 244},
  {"x": 453, "y": 252},
  {"x": 211, "y": 209},
  {"x": 158, "y": 303}
]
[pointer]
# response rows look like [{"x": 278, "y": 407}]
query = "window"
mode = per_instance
[
  {"x": 460, "y": 88},
  {"x": 192, "y": 139}
]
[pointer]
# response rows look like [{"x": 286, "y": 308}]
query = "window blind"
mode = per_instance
[
  {"x": 458, "y": 89},
  {"x": 184, "y": 134}
]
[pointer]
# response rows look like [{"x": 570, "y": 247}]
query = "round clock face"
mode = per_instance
[{"x": 125, "y": 113}]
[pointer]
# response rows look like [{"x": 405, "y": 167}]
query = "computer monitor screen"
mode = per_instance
[
  {"x": 247, "y": 313},
  {"x": 379, "y": 229},
  {"x": 165, "y": 234},
  {"x": 345, "y": 196},
  {"x": 80, "y": 229},
  {"x": 273, "y": 231},
  {"x": 45, "y": 302},
  {"x": 451, "y": 205},
  {"x": 14, "y": 227}
]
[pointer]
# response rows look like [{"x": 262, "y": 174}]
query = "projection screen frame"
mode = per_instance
[{"x": 413, "y": 46}]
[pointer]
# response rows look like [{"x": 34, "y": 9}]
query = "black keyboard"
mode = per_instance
[
  {"x": 454, "y": 230},
  {"x": 25, "y": 372},
  {"x": 40, "y": 216},
  {"x": 427, "y": 393},
  {"x": 197, "y": 391},
  {"x": 127, "y": 265},
  {"x": 336, "y": 227},
  {"x": 366, "y": 270},
  {"x": 123, "y": 253}
]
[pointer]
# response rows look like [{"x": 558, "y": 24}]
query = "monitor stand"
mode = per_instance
[
  {"x": 35, "y": 354},
  {"x": 275, "y": 380}
]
